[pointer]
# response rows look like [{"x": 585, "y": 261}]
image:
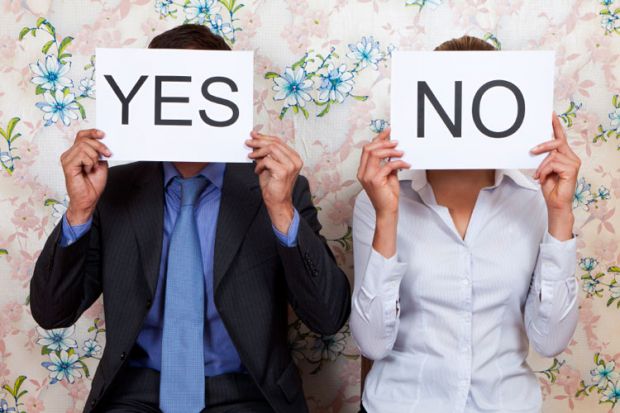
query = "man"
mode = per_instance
[{"x": 197, "y": 264}]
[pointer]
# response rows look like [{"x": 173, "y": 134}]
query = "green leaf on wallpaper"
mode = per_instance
[
  {"x": 46, "y": 46},
  {"x": 611, "y": 301},
  {"x": 24, "y": 31},
  {"x": 304, "y": 111},
  {"x": 50, "y": 202},
  {"x": 39, "y": 90},
  {"x": 81, "y": 109},
  {"x": 11, "y": 125},
  {"x": 40, "y": 21},
  {"x": 45, "y": 351},
  {"x": 85, "y": 368},
  {"x": 63, "y": 45},
  {"x": 3, "y": 251},
  {"x": 271, "y": 75},
  {"x": 614, "y": 268},
  {"x": 324, "y": 111},
  {"x": 616, "y": 101},
  {"x": 360, "y": 98}
]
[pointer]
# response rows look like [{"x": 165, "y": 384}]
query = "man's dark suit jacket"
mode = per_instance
[{"x": 254, "y": 276}]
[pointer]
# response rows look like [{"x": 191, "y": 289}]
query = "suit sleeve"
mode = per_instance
[
  {"x": 319, "y": 291},
  {"x": 66, "y": 279}
]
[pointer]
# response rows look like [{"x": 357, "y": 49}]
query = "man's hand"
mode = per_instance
[
  {"x": 85, "y": 174},
  {"x": 378, "y": 176},
  {"x": 558, "y": 177},
  {"x": 277, "y": 167}
]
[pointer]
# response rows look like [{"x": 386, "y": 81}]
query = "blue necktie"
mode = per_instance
[{"x": 182, "y": 383}]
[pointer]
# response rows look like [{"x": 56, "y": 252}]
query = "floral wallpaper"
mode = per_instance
[{"x": 322, "y": 83}]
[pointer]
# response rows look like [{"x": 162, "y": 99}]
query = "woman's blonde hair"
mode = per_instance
[{"x": 465, "y": 43}]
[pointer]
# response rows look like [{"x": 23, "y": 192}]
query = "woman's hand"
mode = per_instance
[
  {"x": 557, "y": 175},
  {"x": 378, "y": 176}
]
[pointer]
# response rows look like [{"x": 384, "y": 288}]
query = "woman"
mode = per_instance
[{"x": 455, "y": 271}]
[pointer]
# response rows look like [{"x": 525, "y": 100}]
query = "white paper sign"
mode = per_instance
[
  {"x": 175, "y": 105},
  {"x": 471, "y": 110}
]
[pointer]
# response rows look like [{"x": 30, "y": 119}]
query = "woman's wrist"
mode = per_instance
[
  {"x": 560, "y": 223},
  {"x": 384, "y": 241}
]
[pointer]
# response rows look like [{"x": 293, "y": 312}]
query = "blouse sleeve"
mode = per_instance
[
  {"x": 375, "y": 309},
  {"x": 551, "y": 310}
]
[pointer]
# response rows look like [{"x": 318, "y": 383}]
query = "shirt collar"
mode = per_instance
[
  {"x": 418, "y": 178},
  {"x": 214, "y": 172}
]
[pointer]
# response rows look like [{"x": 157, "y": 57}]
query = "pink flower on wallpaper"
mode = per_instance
[
  {"x": 28, "y": 152},
  {"x": 8, "y": 46},
  {"x": 615, "y": 187},
  {"x": 77, "y": 391},
  {"x": 316, "y": 23},
  {"x": 4, "y": 370},
  {"x": 297, "y": 38},
  {"x": 33, "y": 405},
  {"x": 24, "y": 217},
  {"x": 13, "y": 310},
  {"x": 568, "y": 378},
  {"x": 340, "y": 212},
  {"x": 22, "y": 265},
  {"x": 297, "y": 7},
  {"x": 605, "y": 249},
  {"x": 588, "y": 320}
]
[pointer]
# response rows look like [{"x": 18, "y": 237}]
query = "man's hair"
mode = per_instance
[
  {"x": 189, "y": 36},
  {"x": 465, "y": 43}
]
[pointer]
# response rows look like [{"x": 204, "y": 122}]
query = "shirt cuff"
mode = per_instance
[
  {"x": 290, "y": 238},
  {"x": 70, "y": 233},
  {"x": 383, "y": 276},
  {"x": 558, "y": 259}
]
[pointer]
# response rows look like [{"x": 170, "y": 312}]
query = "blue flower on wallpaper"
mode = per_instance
[
  {"x": 590, "y": 286},
  {"x": 603, "y": 374},
  {"x": 91, "y": 348},
  {"x": 610, "y": 17},
  {"x": 336, "y": 84},
  {"x": 198, "y": 11},
  {"x": 61, "y": 99},
  {"x": 219, "y": 26},
  {"x": 57, "y": 339},
  {"x": 59, "y": 105},
  {"x": 206, "y": 13},
  {"x": 605, "y": 133},
  {"x": 583, "y": 197},
  {"x": 588, "y": 263},
  {"x": 615, "y": 120},
  {"x": 378, "y": 125},
  {"x": 603, "y": 193},
  {"x": 87, "y": 88},
  {"x": 4, "y": 407},
  {"x": 611, "y": 394},
  {"x": 63, "y": 366},
  {"x": 366, "y": 52},
  {"x": 165, "y": 8},
  {"x": 293, "y": 87},
  {"x": 51, "y": 75}
]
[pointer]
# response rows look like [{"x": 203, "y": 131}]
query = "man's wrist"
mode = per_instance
[
  {"x": 560, "y": 223},
  {"x": 281, "y": 215},
  {"x": 78, "y": 217}
]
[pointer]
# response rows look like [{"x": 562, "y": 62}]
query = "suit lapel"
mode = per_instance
[
  {"x": 146, "y": 207},
  {"x": 238, "y": 206}
]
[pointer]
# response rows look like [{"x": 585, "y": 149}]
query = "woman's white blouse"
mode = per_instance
[{"x": 447, "y": 320}]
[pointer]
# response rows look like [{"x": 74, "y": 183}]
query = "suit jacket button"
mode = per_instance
[
  {"x": 123, "y": 355},
  {"x": 149, "y": 303},
  {"x": 93, "y": 402}
]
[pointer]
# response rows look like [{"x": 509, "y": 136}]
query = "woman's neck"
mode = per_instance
[{"x": 467, "y": 180}]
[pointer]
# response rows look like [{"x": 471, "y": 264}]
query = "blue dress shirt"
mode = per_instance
[{"x": 220, "y": 353}]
